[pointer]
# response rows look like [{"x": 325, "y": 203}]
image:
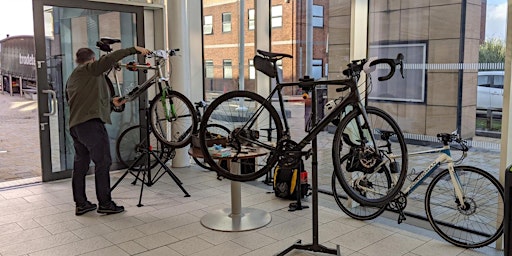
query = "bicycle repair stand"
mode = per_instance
[
  {"x": 315, "y": 246},
  {"x": 143, "y": 163}
]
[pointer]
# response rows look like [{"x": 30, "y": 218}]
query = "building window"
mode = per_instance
[
  {"x": 208, "y": 65},
  {"x": 226, "y": 22},
  {"x": 251, "y": 17},
  {"x": 228, "y": 69},
  {"x": 316, "y": 71},
  {"x": 277, "y": 16},
  {"x": 252, "y": 70},
  {"x": 318, "y": 16},
  {"x": 208, "y": 25}
]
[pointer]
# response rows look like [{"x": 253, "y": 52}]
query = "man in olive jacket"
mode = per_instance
[{"x": 90, "y": 106}]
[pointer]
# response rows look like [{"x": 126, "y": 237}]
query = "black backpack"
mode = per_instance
[{"x": 285, "y": 182}]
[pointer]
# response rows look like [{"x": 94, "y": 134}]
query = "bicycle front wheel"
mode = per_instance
[
  {"x": 172, "y": 118},
  {"x": 132, "y": 145},
  {"x": 476, "y": 222},
  {"x": 255, "y": 128},
  {"x": 375, "y": 147}
]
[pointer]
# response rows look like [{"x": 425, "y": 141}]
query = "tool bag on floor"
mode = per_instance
[{"x": 285, "y": 182}]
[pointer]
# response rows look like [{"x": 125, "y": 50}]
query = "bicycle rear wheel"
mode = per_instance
[
  {"x": 475, "y": 223},
  {"x": 131, "y": 145},
  {"x": 173, "y": 118},
  {"x": 255, "y": 130},
  {"x": 375, "y": 147},
  {"x": 348, "y": 205}
]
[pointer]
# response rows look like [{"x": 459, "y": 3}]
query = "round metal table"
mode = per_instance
[{"x": 236, "y": 218}]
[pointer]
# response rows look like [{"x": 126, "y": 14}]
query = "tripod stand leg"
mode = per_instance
[
  {"x": 141, "y": 189},
  {"x": 130, "y": 168},
  {"x": 173, "y": 176}
]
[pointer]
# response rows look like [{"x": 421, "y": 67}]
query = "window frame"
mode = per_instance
[
  {"x": 209, "y": 66},
  {"x": 274, "y": 16},
  {"x": 205, "y": 25},
  {"x": 249, "y": 19},
  {"x": 316, "y": 17},
  {"x": 225, "y": 68},
  {"x": 226, "y": 24}
]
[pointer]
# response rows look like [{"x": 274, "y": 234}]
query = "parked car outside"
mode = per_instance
[{"x": 490, "y": 90}]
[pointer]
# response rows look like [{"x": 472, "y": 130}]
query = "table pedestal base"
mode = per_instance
[{"x": 224, "y": 220}]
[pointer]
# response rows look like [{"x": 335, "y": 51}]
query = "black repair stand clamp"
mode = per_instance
[
  {"x": 315, "y": 246},
  {"x": 143, "y": 164},
  {"x": 508, "y": 212}
]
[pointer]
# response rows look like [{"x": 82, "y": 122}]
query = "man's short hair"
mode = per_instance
[{"x": 84, "y": 54}]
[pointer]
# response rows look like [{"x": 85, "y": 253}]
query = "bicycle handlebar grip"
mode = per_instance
[{"x": 392, "y": 63}]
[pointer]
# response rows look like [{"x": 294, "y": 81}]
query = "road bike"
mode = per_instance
[
  {"x": 256, "y": 125},
  {"x": 171, "y": 114},
  {"x": 463, "y": 204}
]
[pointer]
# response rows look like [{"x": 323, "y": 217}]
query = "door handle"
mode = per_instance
[{"x": 53, "y": 104}]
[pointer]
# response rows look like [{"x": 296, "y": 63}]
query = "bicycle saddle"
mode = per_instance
[
  {"x": 105, "y": 42},
  {"x": 272, "y": 55},
  {"x": 108, "y": 40}
]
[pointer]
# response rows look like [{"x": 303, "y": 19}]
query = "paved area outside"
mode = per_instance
[{"x": 19, "y": 139}]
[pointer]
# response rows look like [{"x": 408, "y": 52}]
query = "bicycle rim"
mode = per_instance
[
  {"x": 255, "y": 128},
  {"x": 173, "y": 119},
  {"x": 364, "y": 175},
  {"x": 130, "y": 146},
  {"x": 349, "y": 206},
  {"x": 480, "y": 222}
]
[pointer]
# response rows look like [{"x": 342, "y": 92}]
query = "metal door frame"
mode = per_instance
[{"x": 41, "y": 68}]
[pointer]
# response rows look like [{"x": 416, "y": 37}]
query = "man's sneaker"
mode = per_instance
[
  {"x": 110, "y": 208},
  {"x": 86, "y": 207}
]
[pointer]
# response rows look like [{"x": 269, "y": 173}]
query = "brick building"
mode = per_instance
[{"x": 288, "y": 35}]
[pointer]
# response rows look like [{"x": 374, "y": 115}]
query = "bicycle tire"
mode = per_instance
[
  {"x": 347, "y": 204},
  {"x": 129, "y": 146},
  {"x": 240, "y": 112},
  {"x": 177, "y": 131},
  {"x": 477, "y": 226},
  {"x": 360, "y": 179}
]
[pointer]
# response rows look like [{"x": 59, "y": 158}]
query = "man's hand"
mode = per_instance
[
  {"x": 118, "y": 102},
  {"x": 142, "y": 50}
]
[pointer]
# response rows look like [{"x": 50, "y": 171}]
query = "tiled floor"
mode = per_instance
[{"x": 39, "y": 220}]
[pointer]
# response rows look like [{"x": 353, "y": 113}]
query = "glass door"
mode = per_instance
[{"x": 60, "y": 29}]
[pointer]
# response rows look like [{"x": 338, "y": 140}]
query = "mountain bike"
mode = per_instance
[
  {"x": 256, "y": 125},
  {"x": 463, "y": 203},
  {"x": 171, "y": 114}
]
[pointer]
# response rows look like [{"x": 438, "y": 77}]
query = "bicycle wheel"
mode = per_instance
[
  {"x": 131, "y": 145},
  {"x": 364, "y": 176},
  {"x": 476, "y": 223},
  {"x": 255, "y": 130},
  {"x": 173, "y": 118},
  {"x": 348, "y": 205}
]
